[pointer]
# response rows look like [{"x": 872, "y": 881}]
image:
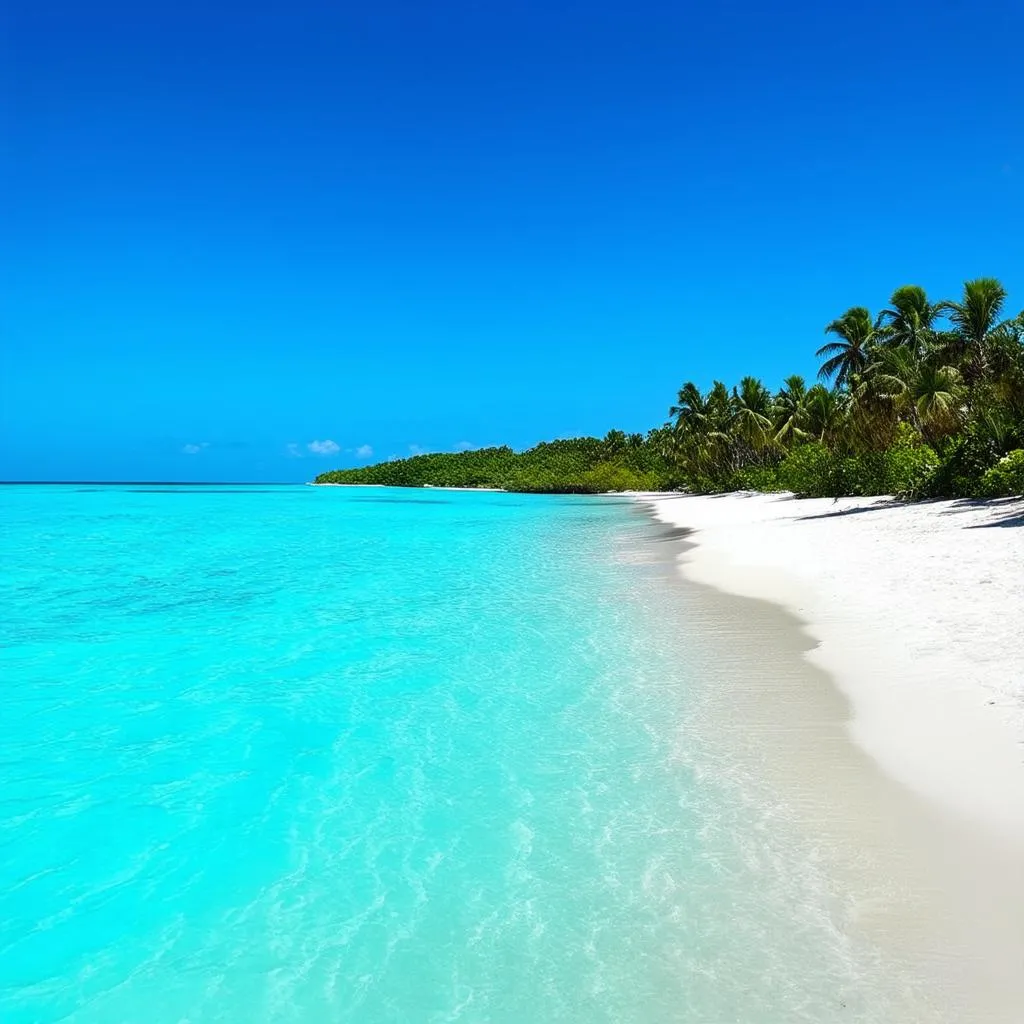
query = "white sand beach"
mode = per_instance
[{"x": 918, "y": 610}]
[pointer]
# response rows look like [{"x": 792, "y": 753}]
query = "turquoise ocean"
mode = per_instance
[{"x": 282, "y": 753}]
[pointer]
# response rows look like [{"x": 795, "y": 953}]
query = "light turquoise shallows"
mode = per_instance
[{"x": 302, "y": 754}]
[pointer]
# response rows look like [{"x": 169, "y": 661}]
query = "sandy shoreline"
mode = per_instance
[
  {"x": 907, "y": 770},
  {"x": 918, "y": 610}
]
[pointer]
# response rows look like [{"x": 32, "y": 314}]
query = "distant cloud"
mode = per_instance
[
  {"x": 415, "y": 449},
  {"x": 364, "y": 451},
  {"x": 465, "y": 446},
  {"x": 326, "y": 447},
  {"x": 195, "y": 449},
  {"x": 294, "y": 450}
]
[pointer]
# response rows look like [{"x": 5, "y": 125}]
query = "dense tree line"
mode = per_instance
[
  {"x": 582, "y": 465},
  {"x": 924, "y": 399}
]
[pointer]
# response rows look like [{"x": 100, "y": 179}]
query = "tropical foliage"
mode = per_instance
[
  {"x": 924, "y": 399},
  {"x": 583, "y": 465}
]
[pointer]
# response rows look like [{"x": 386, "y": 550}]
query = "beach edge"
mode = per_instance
[{"x": 949, "y": 725}]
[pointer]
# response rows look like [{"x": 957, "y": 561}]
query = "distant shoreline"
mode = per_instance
[{"x": 413, "y": 487}]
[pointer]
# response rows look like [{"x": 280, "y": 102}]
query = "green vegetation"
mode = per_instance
[
  {"x": 924, "y": 400},
  {"x": 583, "y": 465}
]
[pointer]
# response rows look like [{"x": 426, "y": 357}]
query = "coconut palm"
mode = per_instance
[
  {"x": 751, "y": 417},
  {"x": 691, "y": 408},
  {"x": 701, "y": 430},
  {"x": 826, "y": 413},
  {"x": 976, "y": 324},
  {"x": 885, "y": 379},
  {"x": 849, "y": 355},
  {"x": 1005, "y": 358},
  {"x": 897, "y": 384},
  {"x": 614, "y": 443},
  {"x": 910, "y": 320},
  {"x": 878, "y": 396},
  {"x": 937, "y": 394},
  {"x": 790, "y": 410}
]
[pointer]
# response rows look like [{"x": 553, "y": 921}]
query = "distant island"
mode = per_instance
[{"x": 926, "y": 399}]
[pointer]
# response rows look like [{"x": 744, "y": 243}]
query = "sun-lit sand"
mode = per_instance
[{"x": 918, "y": 610}]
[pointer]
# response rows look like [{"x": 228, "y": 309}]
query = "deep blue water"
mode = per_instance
[{"x": 303, "y": 754}]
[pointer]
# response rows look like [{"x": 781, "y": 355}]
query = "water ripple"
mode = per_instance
[{"x": 299, "y": 755}]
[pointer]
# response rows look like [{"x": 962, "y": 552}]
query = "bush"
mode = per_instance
[
  {"x": 907, "y": 466},
  {"x": 811, "y": 471},
  {"x": 607, "y": 476},
  {"x": 905, "y": 469},
  {"x": 1006, "y": 478},
  {"x": 756, "y": 478},
  {"x": 964, "y": 463}
]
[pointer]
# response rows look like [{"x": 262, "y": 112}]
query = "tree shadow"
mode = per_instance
[
  {"x": 840, "y": 513},
  {"x": 1017, "y": 520},
  {"x": 1008, "y": 511}
]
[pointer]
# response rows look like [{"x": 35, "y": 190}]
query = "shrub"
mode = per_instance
[
  {"x": 963, "y": 465},
  {"x": 1006, "y": 478},
  {"x": 907, "y": 466},
  {"x": 756, "y": 478},
  {"x": 607, "y": 476},
  {"x": 904, "y": 468},
  {"x": 811, "y": 471}
]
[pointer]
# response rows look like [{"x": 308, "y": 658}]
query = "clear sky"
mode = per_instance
[{"x": 233, "y": 232}]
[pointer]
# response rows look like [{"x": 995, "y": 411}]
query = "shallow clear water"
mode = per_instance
[{"x": 302, "y": 754}]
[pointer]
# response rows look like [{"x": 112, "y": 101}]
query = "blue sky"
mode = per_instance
[{"x": 253, "y": 242}]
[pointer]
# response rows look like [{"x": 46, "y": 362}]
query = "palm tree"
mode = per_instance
[
  {"x": 719, "y": 405},
  {"x": 885, "y": 379},
  {"x": 701, "y": 430},
  {"x": 752, "y": 408},
  {"x": 850, "y": 354},
  {"x": 614, "y": 443},
  {"x": 937, "y": 394},
  {"x": 976, "y": 324},
  {"x": 910, "y": 321},
  {"x": 691, "y": 408},
  {"x": 826, "y": 411},
  {"x": 791, "y": 410},
  {"x": 899, "y": 385},
  {"x": 1006, "y": 364},
  {"x": 878, "y": 396}
]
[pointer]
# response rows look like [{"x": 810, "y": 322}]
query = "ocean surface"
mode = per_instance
[{"x": 326, "y": 754}]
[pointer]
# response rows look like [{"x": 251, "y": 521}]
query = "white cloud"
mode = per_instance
[
  {"x": 415, "y": 449},
  {"x": 364, "y": 451},
  {"x": 195, "y": 449},
  {"x": 465, "y": 446},
  {"x": 293, "y": 450},
  {"x": 326, "y": 447}
]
